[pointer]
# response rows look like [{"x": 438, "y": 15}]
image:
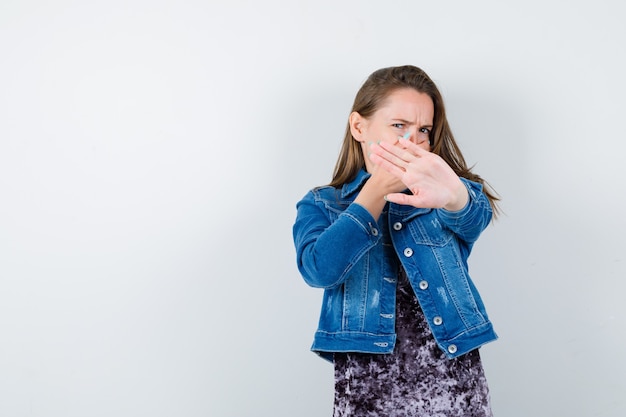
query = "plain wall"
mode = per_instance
[{"x": 152, "y": 152}]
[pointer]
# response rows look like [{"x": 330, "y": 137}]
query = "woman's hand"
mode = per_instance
[
  {"x": 385, "y": 181},
  {"x": 380, "y": 184},
  {"x": 430, "y": 179}
]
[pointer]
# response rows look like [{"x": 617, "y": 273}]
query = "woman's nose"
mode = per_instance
[{"x": 415, "y": 136}]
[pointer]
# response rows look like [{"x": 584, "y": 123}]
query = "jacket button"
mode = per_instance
[
  {"x": 408, "y": 252},
  {"x": 452, "y": 348},
  {"x": 423, "y": 285},
  {"x": 374, "y": 231},
  {"x": 437, "y": 320},
  {"x": 397, "y": 226}
]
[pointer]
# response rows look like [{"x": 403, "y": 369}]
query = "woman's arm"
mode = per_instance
[
  {"x": 326, "y": 251},
  {"x": 469, "y": 222},
  {"x": 462, "y": 206}
]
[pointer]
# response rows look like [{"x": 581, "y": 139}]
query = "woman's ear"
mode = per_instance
[{"x": 357, "y": 125}]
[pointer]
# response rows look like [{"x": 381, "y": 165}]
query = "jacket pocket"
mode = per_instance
[{"x": 430, "y": 231}]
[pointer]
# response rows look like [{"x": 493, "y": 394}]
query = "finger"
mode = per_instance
[
  {"x": 412, "y": 147},
  {"x": 390, "y": 153},
  {"x": 404, "y": 199},
  {"x": 398, "y": 152},
  {"x": 391, "y": 168}
]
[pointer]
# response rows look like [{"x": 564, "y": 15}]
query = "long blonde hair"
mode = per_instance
[{"x": 368, "y": 99}]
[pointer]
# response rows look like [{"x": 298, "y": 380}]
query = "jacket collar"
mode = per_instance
[{"x": 356, "y": 184}]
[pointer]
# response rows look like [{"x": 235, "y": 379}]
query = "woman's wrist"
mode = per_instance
[
  {"x": 372, "y": 198},
  {"x": 460, "y": 198}
]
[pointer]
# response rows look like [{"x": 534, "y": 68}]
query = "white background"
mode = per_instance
[{"x": 152, "y": 152}]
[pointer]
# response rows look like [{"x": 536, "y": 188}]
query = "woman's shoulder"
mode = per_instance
[
  {"x": 320, "y": 189},
  {"x": 321, "y": 192},
  {"x": 324, "y": 189}
]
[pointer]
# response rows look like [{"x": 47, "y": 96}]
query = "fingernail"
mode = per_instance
[
  {"x": 385, "y": 197},
  {"x": 406, "y": 135}
]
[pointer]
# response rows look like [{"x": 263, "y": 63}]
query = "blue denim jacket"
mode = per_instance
[{"x": 343, "y": 249}]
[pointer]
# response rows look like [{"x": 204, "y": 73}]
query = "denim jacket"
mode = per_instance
[{"x": 341, "y": 248}]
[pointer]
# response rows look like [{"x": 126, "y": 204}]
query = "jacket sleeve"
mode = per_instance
[
  {"x": 469, "y": 222},
  {"x": 326, "y": 250}
]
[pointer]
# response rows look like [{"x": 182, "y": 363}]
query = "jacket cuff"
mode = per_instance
[{"x": 364, "y": 219}]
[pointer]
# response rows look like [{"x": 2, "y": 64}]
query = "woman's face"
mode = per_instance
[{"x": 404, "y": 112}]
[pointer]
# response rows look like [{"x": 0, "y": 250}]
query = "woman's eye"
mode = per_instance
[
  {"x": 398, "y": 125},
  {"x": 425, "y": 130}
]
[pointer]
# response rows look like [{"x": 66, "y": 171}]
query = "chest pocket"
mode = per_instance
[{"x": 428, "y": 230}]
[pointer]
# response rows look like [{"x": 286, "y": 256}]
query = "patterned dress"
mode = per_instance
[{"x": 417, "y": 379}]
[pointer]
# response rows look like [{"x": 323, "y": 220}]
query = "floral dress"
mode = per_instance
[{"x": 417, "y": 379}]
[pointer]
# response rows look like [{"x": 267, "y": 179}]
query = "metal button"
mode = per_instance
[
  {"x": 437, "y": 320},
  {"x": 408, "y": 252},
  {"x": 423, "y": 285},
  {"x": 452, "y": 349},
  {"x": 374, "y": 231},
  {"x": 397, "y": 226}
]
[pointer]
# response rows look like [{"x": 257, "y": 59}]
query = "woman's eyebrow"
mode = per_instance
[{"x": 406, "y": 122}]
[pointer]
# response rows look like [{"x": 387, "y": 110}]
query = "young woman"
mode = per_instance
[{"x": 388, "y": 239}]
